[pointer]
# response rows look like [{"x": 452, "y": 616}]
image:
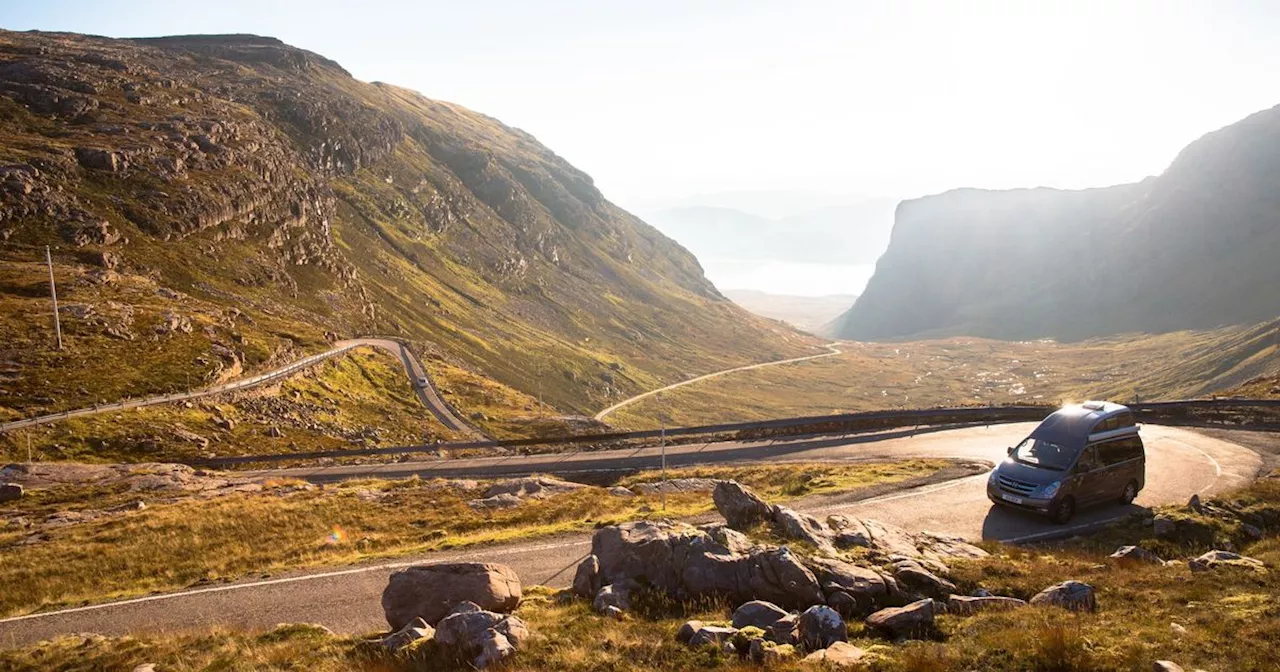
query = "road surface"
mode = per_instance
[
  {"x": 413, "y": 368},
  {"x": 1180, "y": 463},
  {"x": 626, "y": 402}
]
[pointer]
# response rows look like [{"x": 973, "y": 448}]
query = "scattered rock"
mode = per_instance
[
  {"x": 1164, "y": 526},
  {"x": 145, "y": 667},
  {"x": 467, "y": 630},
  {"x": 765, "y": 652},
  {"x": 785, "y": 630},
  {"x": 1217, "y": 559},
  {"x": 728, "y": 537},
  {"x": 820, "y": 626},
  {"x": 619, "y": 491},
  {"x": 586, "y": 581},
  {"x": 712, "y": 634},
  {"x": 616, "y": 596},
  {"x": 1178, "y": 629},
  {"x": 676, "y": 486},
  {"x": 866, "y": 587},
  {"x": 1072, "y": 595},
  {"x": 430, "y": 592},
  {"x": 913, "y": 576},
  {"x": 1137, "y": 554},
  {"x": 10, "y": 492},
  {"x": 964, "y": 606},
  {"x": 686, "y": 631},
  {"x": 757, "y": 613},
  {"x": 804, "y": 527},
  {"x": 849, "y": 532},
  {"x": 101, "y": 159},
  {"x": 913, "y": 620},
  {"x": 539, "y": 487},
  {"x": 839, "y": 654},
  {"x": 274, "y": 432},
  {"x": 1166, "y": 666},
  {"x": 740, "y": 507},
  {"x": 503, "y": 501},
  {"x": 413, "y": 632}
]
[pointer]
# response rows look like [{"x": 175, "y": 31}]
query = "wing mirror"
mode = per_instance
[{"x": 1009, "y": 451}]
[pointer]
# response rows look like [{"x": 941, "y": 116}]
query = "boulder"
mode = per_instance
[
  {"x": 535, "y": 487},
  {"x": 913, "y": 576},
  {"x": 890, "y": 539},
  {"x": 757, "y": 613},
  {"x": 839, "y": 654},
  {"x": 686, "y": 631},
  {"x": 616, "y": 596},
  {"x": 1217, "y": 559},
  {"x": 430, "y": 592},
  {"x": 843, "y": 603},
  {"x": 820, "y": 626},
  {"x": 728, "y": 537},
  {"x": 740, "y": 507},
  {"x": 415, "y": 631},
  {"x": 785, "y": 630},
  {"x": 1136, "y": 554},
  {"x": 10, "y": 492},
  {"x": 765, "y": 652},
  {"x": 1072, "y": 595},
  {"x": 962, "y": 605},
  {"x": 1164, "y": 526},
  {"x": 1166, "y": 666},
  {"x": 469, "y": 631},
  {"x": 913, "y": 620},
  {"x": 101, "y": 159},
  {"x": 619, "y": 491},
  {"x": 712, "y": 634},
  {"x": 503, "y": 501},
  {"x": 586, "y": 580},
  {"x": 685, "y": 562},
  {"x": 867, "y": 587}
]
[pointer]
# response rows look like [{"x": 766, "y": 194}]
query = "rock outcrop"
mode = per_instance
[
  {"x": 484, "y": 637},
  {"x": 1071, "y": 595},
  {"x": 431, "y": 592}
]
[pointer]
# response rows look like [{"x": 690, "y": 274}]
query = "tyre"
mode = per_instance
[
  {"x": 1063, "y": 511},
  {"x": 1130, "y": 492}
]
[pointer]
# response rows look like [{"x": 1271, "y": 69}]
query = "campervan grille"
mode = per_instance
[{"x": 1016, "y": 487}]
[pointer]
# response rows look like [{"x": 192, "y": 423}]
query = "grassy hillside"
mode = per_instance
[
  {"x": 219, "y": 203},
  {"x": 965, "y": 371}
]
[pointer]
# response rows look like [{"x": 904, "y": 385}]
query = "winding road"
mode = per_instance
[
  {"x": 427, "y": 394},
  {"x": 627, "y": 402},
  {"x": 1180, "y": 463}
]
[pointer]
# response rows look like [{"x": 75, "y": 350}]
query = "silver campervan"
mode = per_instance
[{"x": 1078, "y": 456}]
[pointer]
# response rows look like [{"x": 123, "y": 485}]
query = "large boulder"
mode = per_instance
[
  {"x": 484, "y": 636},
  {"x": 866, "y": 587},
  {"x": 740, "y": 507},
  {"x": 848, "y": 532},
  {"x": 712, "y": 634},
  {"x": 804, "y": 527},
  {"x": 820, "y": 626},
  {"x": 962, "y": 605},
  {"x": 685, "y": 562},
  {"x": 1217, "y": 559},
  {"x": 757, "y": 613},
  {"x": 1072, "y": 595},
  {"x": 430, "y": 592},
  {"x": 913, "y": 620},
  {"x": 913, "y": 576}
]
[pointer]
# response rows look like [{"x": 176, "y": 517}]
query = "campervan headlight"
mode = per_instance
[
  {"x": 1048, "y": 491},
  {"x": 991, "y": 477}
]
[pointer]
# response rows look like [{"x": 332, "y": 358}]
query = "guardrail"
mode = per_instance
[
  {"x": 827, "y": 424},
  {"x": 246, "y": 383}
]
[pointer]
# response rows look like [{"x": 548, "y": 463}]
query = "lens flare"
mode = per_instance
[{"x": 337, "y": 536}]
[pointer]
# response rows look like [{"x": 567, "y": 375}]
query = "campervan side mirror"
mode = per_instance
[{"x": 1009, "y": 451}]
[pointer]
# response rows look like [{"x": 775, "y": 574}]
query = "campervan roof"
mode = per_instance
[{"x": 1072, "y": 425}]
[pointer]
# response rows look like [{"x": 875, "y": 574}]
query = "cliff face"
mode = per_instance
[
  {"x": 1194, "y": 247},
  {"x": 256, "y": 177}
]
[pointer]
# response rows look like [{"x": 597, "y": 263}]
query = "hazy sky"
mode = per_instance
[{"x": 659, "y": 99}]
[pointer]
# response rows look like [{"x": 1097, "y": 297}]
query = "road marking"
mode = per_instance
[
  {"x": 1061, "y": 531},
  {"x": 1217, "y": 468},
  {"x": 294, "y": 579}
]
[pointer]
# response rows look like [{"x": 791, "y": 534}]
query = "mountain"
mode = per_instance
[
  {"x": 808, "y": 313},
  {"x": 839, "y": 235},
  {"x": 1194, "y": 247},
  {"x": 219, "y": 202}
]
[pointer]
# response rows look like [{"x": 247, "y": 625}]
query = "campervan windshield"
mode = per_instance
[{"x": 1044, "y": 454}]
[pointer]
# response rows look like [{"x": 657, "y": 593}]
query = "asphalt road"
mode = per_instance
[
  {"x": 1180, "y": 463},
  {"x": 427, "y": 395}
]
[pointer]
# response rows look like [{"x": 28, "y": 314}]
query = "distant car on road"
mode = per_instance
[
  {"x": 421, "y": 383},
  {"x": 1079, "y": 455}
]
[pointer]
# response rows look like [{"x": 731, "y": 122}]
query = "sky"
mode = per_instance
[{"x": 661, "y": 100}]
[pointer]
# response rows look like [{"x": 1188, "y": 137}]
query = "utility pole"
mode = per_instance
[
  {"x": 662, "y": 441},
  {"x": 53, "y": 292}
]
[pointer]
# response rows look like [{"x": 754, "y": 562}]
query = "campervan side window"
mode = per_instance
[{"x": 1123, "y": 450}]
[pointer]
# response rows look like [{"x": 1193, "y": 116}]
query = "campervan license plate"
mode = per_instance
[{"x": 1011, "y": 498}]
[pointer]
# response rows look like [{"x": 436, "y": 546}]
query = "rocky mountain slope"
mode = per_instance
[
  {"x": 218, "y": 202},
  {"x": 1195, "y": 247}
]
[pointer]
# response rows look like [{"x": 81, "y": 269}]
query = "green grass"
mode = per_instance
[{"x": 177, "y": 543}]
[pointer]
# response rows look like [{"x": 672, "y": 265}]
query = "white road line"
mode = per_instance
[
  {"x": 1217, "y": 468},
  {"x": 1061, "y": 531},
  {"x": 291, "y": 579}
]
